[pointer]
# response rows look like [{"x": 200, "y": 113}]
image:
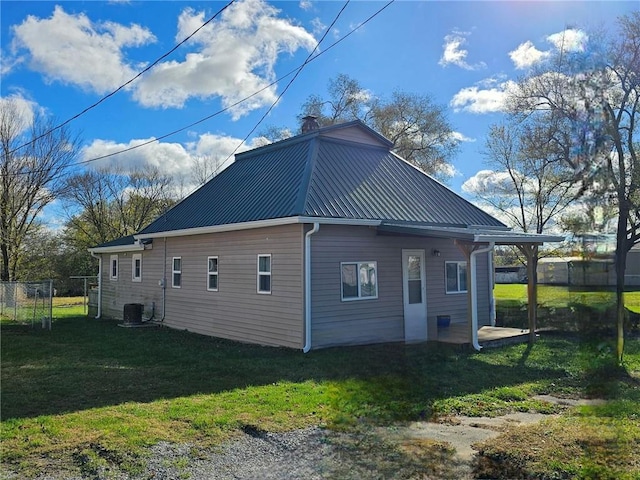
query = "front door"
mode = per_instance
[{"x": 414, "y": 293}]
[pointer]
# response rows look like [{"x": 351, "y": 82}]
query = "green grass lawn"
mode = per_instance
[
  {"x": 92, "y": 390},
  {"x": 560, "y": 296}
]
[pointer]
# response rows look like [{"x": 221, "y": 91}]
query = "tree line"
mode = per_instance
[{"x": 565, "y": 156}]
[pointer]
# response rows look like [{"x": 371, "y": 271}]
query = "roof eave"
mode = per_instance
[
  {"x": 118, "y": 248},
  {"x": 507, "y": 239},
  {"x": 474, "y": 234},
  {"x": 272, "y": 222}
]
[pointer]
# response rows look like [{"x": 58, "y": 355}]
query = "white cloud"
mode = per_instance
[
  {"x": 487, "y": 181},
  {"x": 318, "y": 26},
  {"x": 571, "y": 40},
  {"x": 234, "y": 58},
  {"x": 25, "y": 109},
  {"x": 461, "y": 137},
  {"x": 169, "y": 158},
  {"x": 481, "y": 99},
  {"x": 446, "y": 170},
  {"x": 72, "y": 49},
  {"x": 173, "y": 159},
  {"x": 527, "y": 55},
  {"x": 306, "y": 4},
  {"x": 454, "y": 54},
  {"x": 231, "y": 58}
]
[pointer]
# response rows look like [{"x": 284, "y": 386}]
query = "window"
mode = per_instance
[
  {"x": 264, "y": 273},
  {"x": 456, "y": 273},
  {"x": 212, "y": 274},
  {"x": 414, "y": 279},
  {"x": 136, "y": 267},
  {"x": 113, "y": 268},
  {"x": 176, "y": 272},
  {"x": 359, "y": 280}
]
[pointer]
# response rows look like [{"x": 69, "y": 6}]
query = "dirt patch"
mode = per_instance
[{"x": 461, "y": 433}]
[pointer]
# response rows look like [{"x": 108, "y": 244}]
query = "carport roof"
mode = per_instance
[{"x": 498, "y": 236}]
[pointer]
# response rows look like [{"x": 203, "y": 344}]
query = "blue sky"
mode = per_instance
[{"x": 61, "y": 57}]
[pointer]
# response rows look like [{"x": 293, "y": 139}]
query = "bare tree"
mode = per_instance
[
  {"x": 418, "y": 128},
  {"x": 114, "y": 203},
  {"x": 35, "y": 158},
  {"x": 597, "y": 90},
  {"x": 205, "y": 167},
  {"x": 530, "y": 183}
]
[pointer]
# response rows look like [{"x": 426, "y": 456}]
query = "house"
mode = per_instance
[{"x": 326, "y": 238}]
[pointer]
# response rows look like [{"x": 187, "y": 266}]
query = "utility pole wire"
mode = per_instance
[
  {"x": 90, "y": 107},
  {"x": 208, "y": 117},
  {"x": 278, "y": 80},
  {"x": 297, "y": 72}
]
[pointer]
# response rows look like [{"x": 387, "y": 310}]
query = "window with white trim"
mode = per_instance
[
  {"x": 359, "y": 280},
  {"x": 456, "y": 277},
  {"x": 136, "y": 267},
  {"x": 176, "y": 272},
  {"x": 264, "y": 273},
  {"x": 113, "y": 267},
  {"x": 212, "y": 274}
]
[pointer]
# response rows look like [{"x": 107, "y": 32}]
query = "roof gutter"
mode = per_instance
[
  {"x": 99, "y": 257},
  {"x": 307, "y": 287},
  {"x": 136, "y": 247},
  {"x": 271, "y": 222},
  {"x": 474, "y": 295}
]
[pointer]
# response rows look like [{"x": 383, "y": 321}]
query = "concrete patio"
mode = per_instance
[{"x": 458, "y": 334}]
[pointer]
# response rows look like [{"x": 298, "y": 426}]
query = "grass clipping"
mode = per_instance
[{"x": 566, "y": 447}]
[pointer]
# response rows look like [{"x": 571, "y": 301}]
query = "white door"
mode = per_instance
[{"x": 414, "y": 292}]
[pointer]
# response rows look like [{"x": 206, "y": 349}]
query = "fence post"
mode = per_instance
[{"x": 50, "y": 302}]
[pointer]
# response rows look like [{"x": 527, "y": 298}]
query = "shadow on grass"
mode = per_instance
[{"x": 83, "y": 364}]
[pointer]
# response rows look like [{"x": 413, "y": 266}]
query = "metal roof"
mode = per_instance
[
  {"x": 365, "y": 182},
  {"x": 319, "y": 175},
  {"x": 121, "y": 244}
]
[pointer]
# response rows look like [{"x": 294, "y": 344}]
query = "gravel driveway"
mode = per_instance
[{"x": 316, "y": 454}]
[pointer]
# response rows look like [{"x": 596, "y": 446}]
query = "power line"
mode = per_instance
[
  {"x": 284, "y": 90},
  {"x": 208, "y": 117},
  {"x": 90, "y": 107},
  {"x": 278, "y": 80}
]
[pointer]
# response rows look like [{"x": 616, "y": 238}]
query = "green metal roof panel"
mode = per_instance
[
  {"x": 320, "y": 176},
  {"x": 354, "y": 181},
  {"x": 255, "y": 188},
  {"x": 118, "y": 242}
]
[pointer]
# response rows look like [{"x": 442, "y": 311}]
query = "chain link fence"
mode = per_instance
[{"x": 27, "y": 303}]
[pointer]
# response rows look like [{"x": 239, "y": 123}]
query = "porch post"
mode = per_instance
[
  {"x": 530, "y": 251},
  {"x": 467, "y": 249}
]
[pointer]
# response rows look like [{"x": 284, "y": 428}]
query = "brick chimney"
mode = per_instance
[{"x": 310, "y": 123}]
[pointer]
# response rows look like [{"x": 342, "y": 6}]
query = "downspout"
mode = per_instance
[
  {"x": 492, "y": 286},
  {"x": 474, "y": 295},
  {"x": 163, "y": 282},
  {"x": 307, "y": 287},
  {"x": 99, "y": 257}
]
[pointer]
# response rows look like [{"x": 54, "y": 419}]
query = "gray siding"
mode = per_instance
[
  {"x": 236, "y": 311},
  {"x": 336, "y": 322},
  {"x": 116, "y": 293}
]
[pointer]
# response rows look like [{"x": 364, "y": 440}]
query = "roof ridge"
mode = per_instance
[{"x": 305, "y": 184}]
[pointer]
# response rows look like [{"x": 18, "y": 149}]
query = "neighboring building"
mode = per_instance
[
  {"x": 327, "y": 238},
  {"x": 580, "y": 272},
  {"x": 511, "y": 274},
  {"x": 632, "y": 272}
]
